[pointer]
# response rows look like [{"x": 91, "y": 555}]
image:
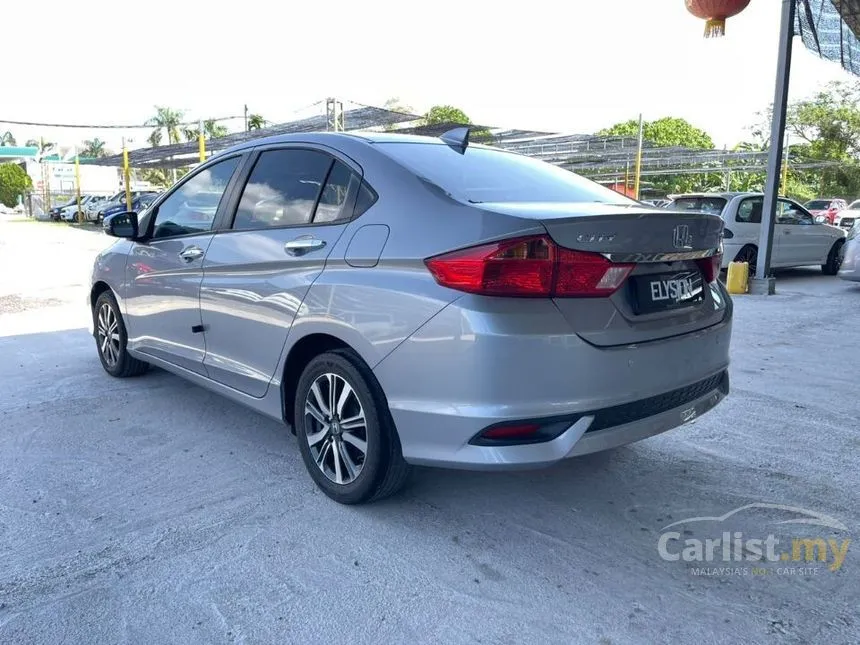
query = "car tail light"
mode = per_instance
[
  {"x": 528, "y": 267},
  {"x": 710, "y": 267}
]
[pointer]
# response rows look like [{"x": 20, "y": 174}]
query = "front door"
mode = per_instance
[
  {"x": 164, "y": 270},
  {"x": 801, "y": 239},
  {"x": 293, "y": 209}
]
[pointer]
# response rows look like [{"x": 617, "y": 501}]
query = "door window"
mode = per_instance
[
  {"x": 749, "y": 212},
  {"x": 282, "y": 189},
  {"x": 192, "y": 206},
  {"x": 789, "y": 213}
]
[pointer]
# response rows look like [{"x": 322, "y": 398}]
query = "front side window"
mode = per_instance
[
  {"x": 191, "y": 208},
  {"x": 788, "y": 213},
  {"x": 282, "y": 189}
]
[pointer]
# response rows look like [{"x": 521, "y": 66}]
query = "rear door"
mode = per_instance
[{"x": 289, "y": 214}]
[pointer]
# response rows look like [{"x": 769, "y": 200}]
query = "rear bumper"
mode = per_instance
[{"x": 459, "y": 374}]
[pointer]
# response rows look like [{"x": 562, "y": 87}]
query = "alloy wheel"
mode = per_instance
[
  {"x": 336, "y": 428},
  {"x": 108, "y": 334}
]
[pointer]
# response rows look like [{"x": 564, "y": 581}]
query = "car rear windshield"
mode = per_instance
[
  {"x": 485, "y": 175},
  {"x": 818, "y": 205},
  {"x": 712, "y": 205}
]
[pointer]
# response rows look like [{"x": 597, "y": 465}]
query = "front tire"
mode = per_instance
[
  {"x": 834, "y": 259},
  {"x": 345, "y": 431},
  {"x": 111, "y": 339}
]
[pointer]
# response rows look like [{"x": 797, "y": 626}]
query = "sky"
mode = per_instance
[{"x": 572, "y": 67}]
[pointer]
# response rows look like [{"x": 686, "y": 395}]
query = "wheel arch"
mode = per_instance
[{"x": 98, "y": 288}]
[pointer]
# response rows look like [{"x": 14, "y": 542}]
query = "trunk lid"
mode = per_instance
[{"x": 663, "y": 244}]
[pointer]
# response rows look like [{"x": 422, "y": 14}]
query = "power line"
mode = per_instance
[{"x": 110, "y": 127}]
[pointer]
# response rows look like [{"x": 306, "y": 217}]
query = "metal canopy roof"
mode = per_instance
[{"x": 186, "y": 153}]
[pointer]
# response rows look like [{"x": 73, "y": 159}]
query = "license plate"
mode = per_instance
[{"x": 666, "y": 291}]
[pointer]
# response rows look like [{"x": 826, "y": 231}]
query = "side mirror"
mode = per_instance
[{"x": 121, "y": 225}]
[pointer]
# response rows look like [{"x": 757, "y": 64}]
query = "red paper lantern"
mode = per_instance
[{"x": 715, "y": 12}]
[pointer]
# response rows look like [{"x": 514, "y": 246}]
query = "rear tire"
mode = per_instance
[
  {"x": 748, "y": 254},
  {"x": 834, "y": 259},
  {"x": 111, "y": 339},
  {"x": 345, "y": 431}
]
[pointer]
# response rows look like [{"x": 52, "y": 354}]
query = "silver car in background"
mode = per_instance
[
  {"x": 850, "y": 269},
  {"x": 406, "y": 300}
]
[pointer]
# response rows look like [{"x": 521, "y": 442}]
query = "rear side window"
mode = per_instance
[
  {"x": 749, "y": 211},
  {"x": 486, "y": 175},
  {"x": 340, "y": 187},
  {"x": 712, "y": 205},
  {"x": 282, "y": 189}
]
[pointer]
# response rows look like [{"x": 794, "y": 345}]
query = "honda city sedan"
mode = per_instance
[{"x": 402, "y": 300}]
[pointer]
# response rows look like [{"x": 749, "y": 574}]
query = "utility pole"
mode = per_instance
[
  {"x": 126, "y": 175},
  {"x": 638, "y": 172},
  {"x": 80, "y": 214},
  {"x": 334, "y": 115},
  {"x": 764, "y": 282},
  {"x": 246, "y": 117}
]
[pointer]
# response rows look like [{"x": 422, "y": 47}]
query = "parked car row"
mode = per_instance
[{"x": 96, "y": 207}]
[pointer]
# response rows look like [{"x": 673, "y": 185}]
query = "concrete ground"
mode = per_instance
[{"x": 151, "y": 511}]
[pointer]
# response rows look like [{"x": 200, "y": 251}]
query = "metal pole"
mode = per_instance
[
  {"x": 638, "y": 172},
  {"x": 246, "y": 117},
  {"x": 80, "y": 213},
  {"x": 201, "y": 141},
  {"x": 126, "y": 175},
  {"x": 774, "y": 157}
]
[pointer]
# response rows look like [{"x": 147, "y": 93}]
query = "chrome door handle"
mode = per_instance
[
  {"x": 191, "y": 253},
  {"x": 303, "y": 245}
]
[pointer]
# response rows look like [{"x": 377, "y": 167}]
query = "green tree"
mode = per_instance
[
  {"x": 93, "y": 148},
  {"x": 665, "y": 132},
  {"x": 7, "y": 139},
  {"x": 14, "y": 182},
  {"x": 446, "y": 114},
  {"x": 42, "y": 144},
  {"x": 166, "y": 121},
  {"x": 440, "y": 114},
  {"x": 671, "y": 132},
  {"x": 256, "y": 122},
  {"x": 211, "y": 130}
]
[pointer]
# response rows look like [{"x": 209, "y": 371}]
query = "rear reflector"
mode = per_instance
[
  {"x": 511, "y": 432},
  {"x": 528, "y": 267}
]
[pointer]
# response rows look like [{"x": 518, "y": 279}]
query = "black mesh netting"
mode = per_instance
[{"x": 828, "y": 28}]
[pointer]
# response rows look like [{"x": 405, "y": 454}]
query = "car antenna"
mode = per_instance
[{"x": 458, "y": 138}]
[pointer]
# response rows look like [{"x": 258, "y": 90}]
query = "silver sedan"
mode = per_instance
[{"x": 405, "y": 300}]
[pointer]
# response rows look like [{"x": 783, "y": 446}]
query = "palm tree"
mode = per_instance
[
  {"x": 94, "y": 148},
  {"x": 256, "y": 121},
  {"x": 7, "y": 139},
  {"x": 41, "y": 144},
  {"x": 168, "y": 120},
  {"x": 211, "y": 130}
]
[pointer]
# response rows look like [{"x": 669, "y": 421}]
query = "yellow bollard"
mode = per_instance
[{"x": 737, "y": 278}]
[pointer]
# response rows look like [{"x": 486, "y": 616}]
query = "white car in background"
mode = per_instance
[
  {"x": 848, "y": 216},
  {"x": 798, "y": 240}
]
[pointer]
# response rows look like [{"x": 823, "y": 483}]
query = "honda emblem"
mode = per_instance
[{"x": 682, "y": 238}]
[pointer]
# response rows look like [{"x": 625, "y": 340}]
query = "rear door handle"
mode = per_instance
[
  {"x": 303, "y": 245},
  {"x": 191, "y": 253}
]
